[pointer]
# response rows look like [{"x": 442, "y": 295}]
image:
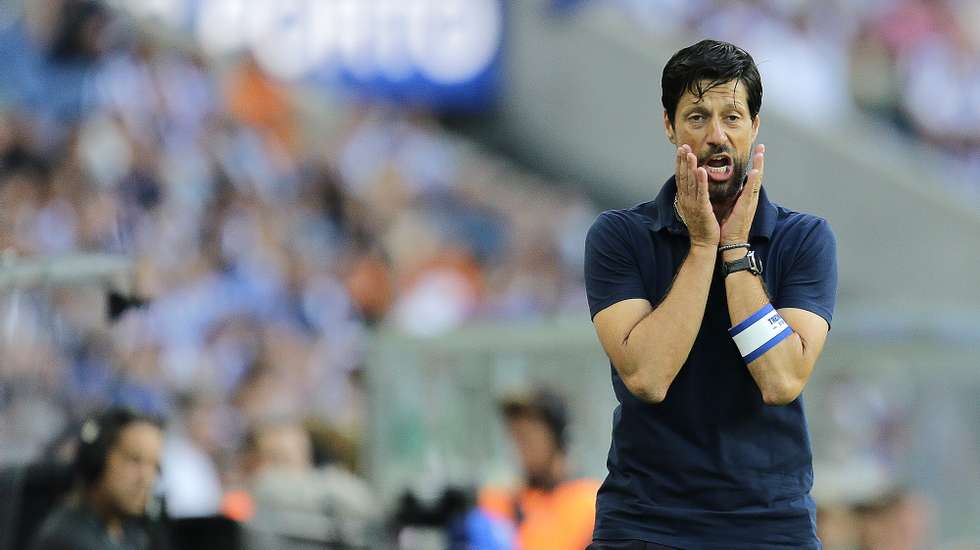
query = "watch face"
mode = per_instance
[{"x": 755, "y": 264}]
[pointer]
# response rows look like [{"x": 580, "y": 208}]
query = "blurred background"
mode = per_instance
[{"x": 364, "y": 219}]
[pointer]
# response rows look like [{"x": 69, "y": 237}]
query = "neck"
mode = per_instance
[
  {"x": 551, "y": 476},
  {"x": 106, "y": 512},
  {"x": 558, "y": 469},
  {"x": 724, "y": 205},
  {"x": 723, "y": 209}
]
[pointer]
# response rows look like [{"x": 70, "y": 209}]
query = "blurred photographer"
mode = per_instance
[{"x": 117, "y": 464}]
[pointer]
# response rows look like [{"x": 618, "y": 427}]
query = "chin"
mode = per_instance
[
  {"x": 135, "y": 508},
  {"x": 723, "y": 190}
]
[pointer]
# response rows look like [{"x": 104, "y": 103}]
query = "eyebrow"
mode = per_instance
[{"x": 700, "y": 108}]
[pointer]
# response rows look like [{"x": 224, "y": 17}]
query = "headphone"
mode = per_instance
[{"x": 98, "y": 435}]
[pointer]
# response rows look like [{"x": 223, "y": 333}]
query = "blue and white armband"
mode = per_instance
[{"x": 759, "y": 333}]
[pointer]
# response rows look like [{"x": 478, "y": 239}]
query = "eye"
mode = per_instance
[
  {"x": 696, "y": 118},
  {"x": 733, "y": 118}
]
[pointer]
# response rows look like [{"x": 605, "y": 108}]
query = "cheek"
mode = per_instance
[
  {"x": 686, "y": 134},
  {"x": 127, "y": 475},
  {"x": 746, "y": 137},
  {"x": 114, "y": 469},
  {"x": 543, "y": 449}
]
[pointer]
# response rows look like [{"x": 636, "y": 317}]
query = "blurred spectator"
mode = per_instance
[
  {"x": 52, "y": 56},
  {"x": 897, "y": 520},
  {"x": 551, "y": 510},
  {"x": 282, "y": 446},
  {"x": 260, "y": 103},
  {"x": 269, "y": 251},
  {"x": 295, "y": 502},
  {"x": 861, "y": 506},
  {"x": 190, "y": 479},
  {"x": 269, "y": 236},
  {"x": 837, "y": 527},
  {"x": 838, "y": 488},
  {"x": 265, "y": 256},
  {"x": 117, "y": 462}
]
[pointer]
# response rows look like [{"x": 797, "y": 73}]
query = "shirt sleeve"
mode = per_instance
[
  {"x": 811, "y": 282},
  {"x": 611, "y": 271}
]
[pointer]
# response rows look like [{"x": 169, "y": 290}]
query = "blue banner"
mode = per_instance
[{"x": 437, "y": 53}]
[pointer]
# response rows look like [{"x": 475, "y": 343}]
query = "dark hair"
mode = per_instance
[
  {"x": 98, "y": 435},
  {"x": 68, "y": 43},
  {"x": 543, "y": 404},
  {"x": 715, "y": 62}
]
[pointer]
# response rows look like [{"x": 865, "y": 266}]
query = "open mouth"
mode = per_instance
[{"x": 719, "y": 167}]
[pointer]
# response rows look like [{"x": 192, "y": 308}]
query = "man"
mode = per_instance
[
  {"x": 551, "y": 511},
  {"x": 900, "y": 519},
  {"x": 297, "y": 505},
  {"x": 713, "y": 305},
  {"x": 117, "y": 463}
]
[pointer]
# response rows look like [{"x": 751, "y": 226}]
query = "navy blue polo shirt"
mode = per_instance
[{"x": 712, "y": 466}]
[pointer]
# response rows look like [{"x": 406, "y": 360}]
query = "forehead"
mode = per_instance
[
  {"x": 278, "y": 436},
  {"x": 721, "y": 95},
  {"x": 526, "y": 421},
  {"x": 140, "y": 436}
]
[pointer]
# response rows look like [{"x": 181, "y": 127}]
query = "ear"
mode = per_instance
[
  {"x": 669, "y": 129},
  {"x": 755, "y": 127}
]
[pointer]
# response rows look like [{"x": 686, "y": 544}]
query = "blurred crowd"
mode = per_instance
[
  {"x": 270, "y": 231},
  {"x": 913, "y": 63}
]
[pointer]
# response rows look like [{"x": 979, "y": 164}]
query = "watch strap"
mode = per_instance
[{"x": 749, "y": 263}]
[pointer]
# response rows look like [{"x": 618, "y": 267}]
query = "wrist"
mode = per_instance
[
  {"x": 703, "y": 249},
  {"x": 734, "y": 254},
  {"x": 749, "y": 263}
]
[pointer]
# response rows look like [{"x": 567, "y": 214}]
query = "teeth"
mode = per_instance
[{"x": 718, "y": 170}]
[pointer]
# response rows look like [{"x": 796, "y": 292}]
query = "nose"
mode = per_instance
[{"x": 716, "y": 135}]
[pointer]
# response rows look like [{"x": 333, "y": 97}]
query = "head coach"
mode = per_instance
[{"x": 713, "y": 305}]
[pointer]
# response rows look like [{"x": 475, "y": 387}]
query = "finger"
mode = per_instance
[
  {"x": 702, "y": 183},
  {"x": 748, "y": 197},
  {"x": 683, "y": 176},
  {"x": 680, "y": 167},
  {"x": 692, "y": 167}
]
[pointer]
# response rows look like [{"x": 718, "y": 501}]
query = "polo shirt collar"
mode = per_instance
[{"x": 662, "y": 215}]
